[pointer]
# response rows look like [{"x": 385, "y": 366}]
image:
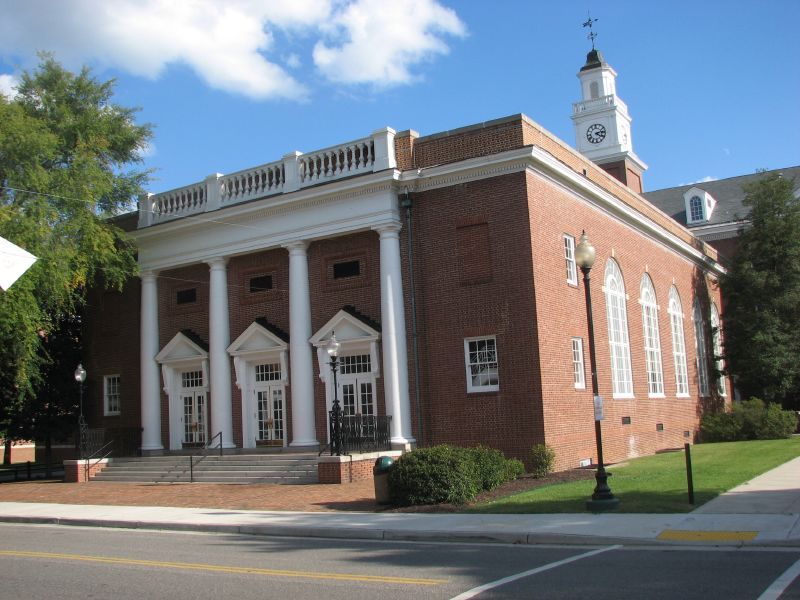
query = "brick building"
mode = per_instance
[{"x": 445, "y": 266}]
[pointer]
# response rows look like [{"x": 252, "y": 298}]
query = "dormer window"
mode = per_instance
[{"x": 699, "y": 206}]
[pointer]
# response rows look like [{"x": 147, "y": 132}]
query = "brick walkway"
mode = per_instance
[{"x": 359, "y": 496}]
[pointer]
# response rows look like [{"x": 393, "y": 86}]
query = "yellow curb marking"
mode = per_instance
[
  {"x": 225, "y": 568},
  {"x": 707, "y": 536}
]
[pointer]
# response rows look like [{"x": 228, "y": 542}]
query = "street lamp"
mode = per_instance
[
  {"x": 602, "y": 498},
  {"x": 80, "y": 377},
  {"x": 336, "y": 411}
]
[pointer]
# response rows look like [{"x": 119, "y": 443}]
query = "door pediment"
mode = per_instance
[
  {"x": 186, "y": 346},
  {"x": 259, "y": 337}
]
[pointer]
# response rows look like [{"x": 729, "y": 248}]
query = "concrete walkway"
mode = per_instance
[{"x": 764, "y": 511}]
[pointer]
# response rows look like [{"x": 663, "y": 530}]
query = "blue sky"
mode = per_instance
[{"x": 712, "y": 86}]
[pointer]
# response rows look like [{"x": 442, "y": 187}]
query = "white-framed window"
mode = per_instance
[
  {"x": 696, "y": 209},
  {"x": 652, "y": 338},
  {"x": 569, "y": 257},
  {"x": 616, "y": 311},
  {"x": 678, "y": 343},
  {"x": 480, "y": 356},
  {"x": 111, "y": 398},
  {"x": 578, "y": 369},
  {"x": 701, "y": 351},
  {"x": 716, "y": 343}
]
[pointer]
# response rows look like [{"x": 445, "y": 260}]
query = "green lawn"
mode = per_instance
[{"x": 657, "y": 484}]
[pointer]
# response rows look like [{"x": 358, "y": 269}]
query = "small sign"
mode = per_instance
[{"x": 598, "y": 408}]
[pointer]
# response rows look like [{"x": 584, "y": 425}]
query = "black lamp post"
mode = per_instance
[
  {"x": 80, "y": 377},
  {"x": 602, "y": 498},
  {"x": 336, "y": 410}
]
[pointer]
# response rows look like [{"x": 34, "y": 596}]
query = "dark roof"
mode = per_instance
[
  {"x": 274, "y": 330},
  {"x": 351, "y": 310},
  {"x": 727, "y": 192},
  {"x": 195, "y": 338},
  {"x": 594, "y": 60}
]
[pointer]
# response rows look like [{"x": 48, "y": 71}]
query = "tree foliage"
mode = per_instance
[
  {"x": 66, "y": 157},
  {"x": 762, "y": 296}
]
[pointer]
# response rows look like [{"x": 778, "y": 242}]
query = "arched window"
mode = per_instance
[
  {"x": 716, "y": 345},
  {"x": 621, "y": 377},
  {"x": 696, "y": 209},
  {"x": 652, "y": 339},
  {"x": 678, "y": 343},
  {"x": 700, "y": 348}
]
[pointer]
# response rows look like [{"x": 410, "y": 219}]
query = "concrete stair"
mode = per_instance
[{"x": 288, "y": 468}]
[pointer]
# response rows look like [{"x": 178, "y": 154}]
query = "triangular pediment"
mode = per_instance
[
  {"x": 349, "y": 326},
  {"x": 260, "y": 336},
  {"x": 186, "y": 345}
]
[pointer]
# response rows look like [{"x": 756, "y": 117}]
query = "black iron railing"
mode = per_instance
[
  {"x": 364, "y": 433},
  {"x": 125, "y": 441},
  {"x": 205, "y": 451}
]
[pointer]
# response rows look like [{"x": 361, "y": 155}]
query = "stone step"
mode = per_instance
[{"x": 206, "y": 479}]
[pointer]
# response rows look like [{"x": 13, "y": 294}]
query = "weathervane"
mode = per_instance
[{"x": 589, "y": 22}]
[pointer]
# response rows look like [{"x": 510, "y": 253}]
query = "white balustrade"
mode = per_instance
[
  {"x": 178, "y": 203},
  {"x": 295, "y": 171},
  {"x": 340, "y": 161},
  {"x": 252, "y": 183}
]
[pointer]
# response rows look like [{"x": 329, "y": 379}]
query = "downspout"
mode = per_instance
[{"x": 406, "y": 203}]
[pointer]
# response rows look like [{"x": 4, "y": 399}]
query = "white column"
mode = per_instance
[
  {"x": 301, "y": 358},
  {"x": 220, "y": 362},
  {"x": 148, "y": 368},
  {"x": 393, "y": 332}
]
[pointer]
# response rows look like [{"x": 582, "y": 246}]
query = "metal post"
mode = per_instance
[
  {"x": 689, "y": 480},
  {"x": 602, "y": 498},
  {"x": 336, "y": 412},
  {"x": 83, "y": 429}
]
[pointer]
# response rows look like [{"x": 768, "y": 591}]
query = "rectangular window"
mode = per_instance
[
  {"x": 186, "y": 296},
  {"x": 192, "y": 379},
  {"x": 480, "y": 356},
  {"x": 111, "y": 399},
  {"x": 578, "y": 372},
  {"x": 350, "y": 268},
  {"x": 358, "y": 363},
  {"x": 268, "y": 372},
  {"x": 569, "y": 257},
  {"x": 261, "y": 283}
]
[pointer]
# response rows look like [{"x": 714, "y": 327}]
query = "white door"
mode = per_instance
[
  {"x": 357, "y": 396},
  {"x": 195, "y": 430},
  {"x": 270, "y": 416}
]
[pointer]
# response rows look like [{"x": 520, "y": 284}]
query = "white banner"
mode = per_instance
[{"x": 14, "y": 261}]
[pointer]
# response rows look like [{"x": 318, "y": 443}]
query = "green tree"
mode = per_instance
[
  {"x": 762, "y": 294},
  {"x": 67, "y": 158}
]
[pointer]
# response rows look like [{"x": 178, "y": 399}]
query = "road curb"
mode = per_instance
[{"x": 379, "y": 534}]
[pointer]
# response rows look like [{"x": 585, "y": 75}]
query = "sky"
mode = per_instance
[{"x": 712, "y": 86}]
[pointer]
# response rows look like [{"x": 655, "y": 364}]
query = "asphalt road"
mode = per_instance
[{"x": 48, "y": 561}]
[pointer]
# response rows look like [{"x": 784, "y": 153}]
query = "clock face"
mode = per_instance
[{"x": 596, "y": 133}]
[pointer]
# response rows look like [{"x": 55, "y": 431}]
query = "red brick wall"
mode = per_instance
[
  {"x": 568, "y": 412},
  {"x": 346, "y": 471},
  {"x": 503, "y": 306}
]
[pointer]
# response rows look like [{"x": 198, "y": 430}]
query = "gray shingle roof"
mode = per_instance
[{"x": 727, "y": 192}]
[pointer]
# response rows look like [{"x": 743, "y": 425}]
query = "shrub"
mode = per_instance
[
  {"x": 489, "y": 465},
  {"x": 449, "y": 474},
  {"x": 542, "y": 459},
  {"x": 432, "y": 476},
  {"x": 749, "y": 420}
]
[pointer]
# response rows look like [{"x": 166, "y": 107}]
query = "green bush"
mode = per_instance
[
  {"x": 432, "y": 476},
  {"x": 449, "y": 474},
  {"x": 542, "y": 459},
  {"x": 490, "y": 467},
  {"x": 749, "y": 420}
]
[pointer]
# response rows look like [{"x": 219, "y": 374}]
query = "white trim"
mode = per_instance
[
  {"x": 471, "y": 388},
  {"x": 106, "y": 411},
  {"x": 569, "y": 259},
  {"x": 578, "y": 363}
]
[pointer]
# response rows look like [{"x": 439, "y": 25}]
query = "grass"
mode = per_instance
[{"x": 657, "y": 484}]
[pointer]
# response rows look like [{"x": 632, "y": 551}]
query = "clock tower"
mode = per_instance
[{"x": 602, "y": 123}]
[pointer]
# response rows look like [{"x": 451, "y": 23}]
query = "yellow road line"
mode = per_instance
[
  {"x": 225, "y": 568},
  {"x": 707, "y": 536}
]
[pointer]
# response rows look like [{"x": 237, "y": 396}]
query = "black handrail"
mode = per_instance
[
  {"x": 203, "y": 454},
  {"x": 363, "y": 433},
  {"x": 88, "y": 467}
]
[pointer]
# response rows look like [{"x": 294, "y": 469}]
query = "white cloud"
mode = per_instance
[
  {"x": 148, "y": 150},
  {"x": 378, "y": 41},
  {"x": 8, "y": 84},
  {"x": 232, "y": 45},
  {"x": 706, "y": 179}
]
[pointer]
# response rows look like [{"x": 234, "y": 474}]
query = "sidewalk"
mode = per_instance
[{"x": 764, "y": 511}]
